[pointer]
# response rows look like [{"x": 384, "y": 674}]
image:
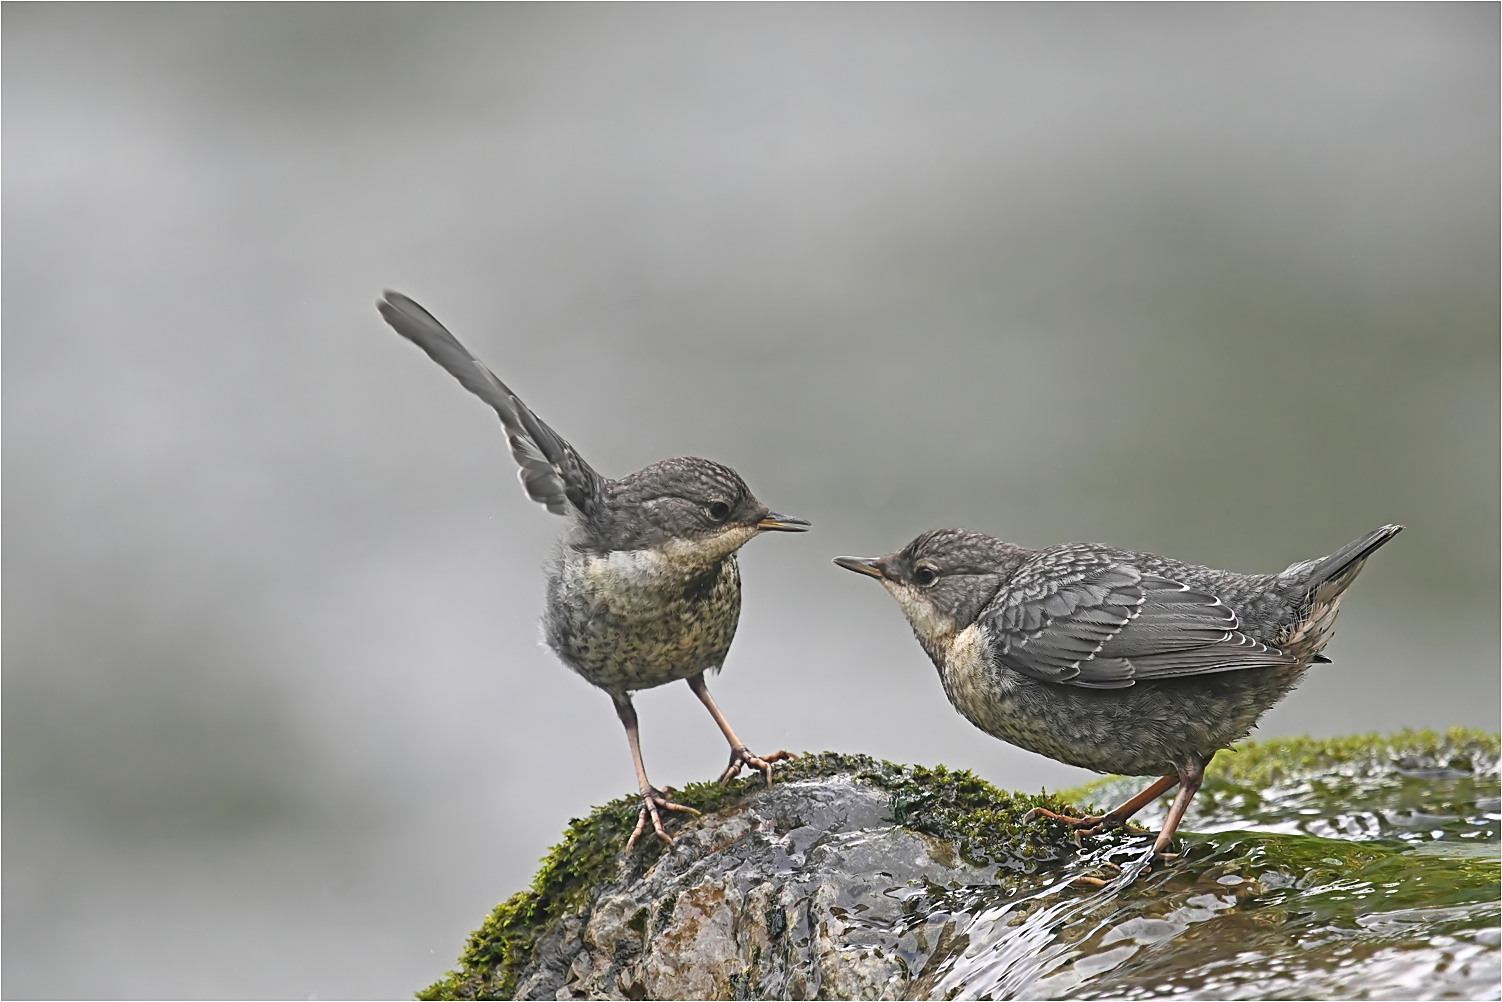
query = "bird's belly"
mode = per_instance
[
  {"x": 1151, "y": 728},
  {"x": 630, "y": 621}
]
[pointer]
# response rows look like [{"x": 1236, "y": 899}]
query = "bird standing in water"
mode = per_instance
[
  {"x": 1113, "y": 660},
  {"x": 644, "y": 589}
]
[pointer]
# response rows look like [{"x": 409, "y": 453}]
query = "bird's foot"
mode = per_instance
[
  {"x": 651, "y": 800},
  {"x": 742, "y": 757},
  {"x": 1073, "y": 820},
  {"x": 1087, "y": 824},
  {"x": 1084, "y": 825},
  {"x": 1091, "y": 880}
]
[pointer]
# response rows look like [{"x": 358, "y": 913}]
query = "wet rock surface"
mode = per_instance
[
  {"x": 795, "y": 894},
  {"x": 1362, "y": 868}
]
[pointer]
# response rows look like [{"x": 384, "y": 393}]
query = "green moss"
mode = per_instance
[
  {"x": 985, "y": 823},
  {"x": 570, "y": 872},
  {"x": 1265, "y": 763},
  {"x": 947, "y": 804},
  {"x": 1335, "y": 882}
]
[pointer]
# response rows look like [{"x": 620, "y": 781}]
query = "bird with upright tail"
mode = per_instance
[
  {"x": 1113, "y": 660},
  {"x": 644, "y": 588}
]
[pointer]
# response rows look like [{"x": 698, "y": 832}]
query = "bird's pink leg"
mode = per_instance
[
  {"x": 651, "y": 798},
  {"x": 739, "y": 754},
  {"x": 1190, "y": 778}
]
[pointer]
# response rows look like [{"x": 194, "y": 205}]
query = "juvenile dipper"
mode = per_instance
[
  {"x": 1112, "y": 660},
  {"x": 644, "y": 588}
]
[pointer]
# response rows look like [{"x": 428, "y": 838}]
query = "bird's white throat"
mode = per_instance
[
  {"x": 670, "y": 562},
  {"x": 935, "y": 629}
]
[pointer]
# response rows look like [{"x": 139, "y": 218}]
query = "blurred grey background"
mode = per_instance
[{"x": 1219, "y": 282}]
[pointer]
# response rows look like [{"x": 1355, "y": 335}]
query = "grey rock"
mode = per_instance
[{"x": 805, "y": 891}]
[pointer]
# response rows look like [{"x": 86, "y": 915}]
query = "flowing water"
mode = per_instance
[{"x": 1360, "y": 883}]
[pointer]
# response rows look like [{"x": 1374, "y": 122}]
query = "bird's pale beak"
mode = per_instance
[
  {"x": 863, "y": 565},
  {"x": 783, "y": 523}
]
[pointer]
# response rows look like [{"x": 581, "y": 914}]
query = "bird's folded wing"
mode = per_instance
[
  {"x": 552, "y": 473},
  {"x": 1085, "y": 619}
]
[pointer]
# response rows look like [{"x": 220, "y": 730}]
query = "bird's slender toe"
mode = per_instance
[
  {"x": 742, "y": 757},
  {"x": 1078, "y": 821},
  {"x": 653, "y": 800}
]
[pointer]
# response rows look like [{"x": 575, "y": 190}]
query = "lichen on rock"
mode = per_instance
[{"x": 854, "y": 878}]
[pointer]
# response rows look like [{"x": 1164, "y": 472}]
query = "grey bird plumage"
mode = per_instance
[
  {"x": 644, "y": 589},
  {"x": 1114, "y": 660}
]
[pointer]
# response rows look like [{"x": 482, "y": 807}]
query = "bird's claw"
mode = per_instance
[
  {"x": 1086, "y": 825},
  {"x": 1091, "y": 880},
  {"x": 1085, "y": 880},
  {"x": 742, "y": 757},
  {"x": 1091, "y": 824},
  {"x": 652, "y": 799}
]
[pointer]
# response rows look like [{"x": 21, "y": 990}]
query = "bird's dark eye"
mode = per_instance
[
  {"x": 925, "y": 576},
  {"x": 719, "y": 511}
]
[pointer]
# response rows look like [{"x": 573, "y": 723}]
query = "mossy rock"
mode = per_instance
[
  {"x": 601, "y": 924},
  {"x": 985, "y": 824},
  {"x": 1265, "y": 763},
  {"x": 1346, "y": 787}
]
